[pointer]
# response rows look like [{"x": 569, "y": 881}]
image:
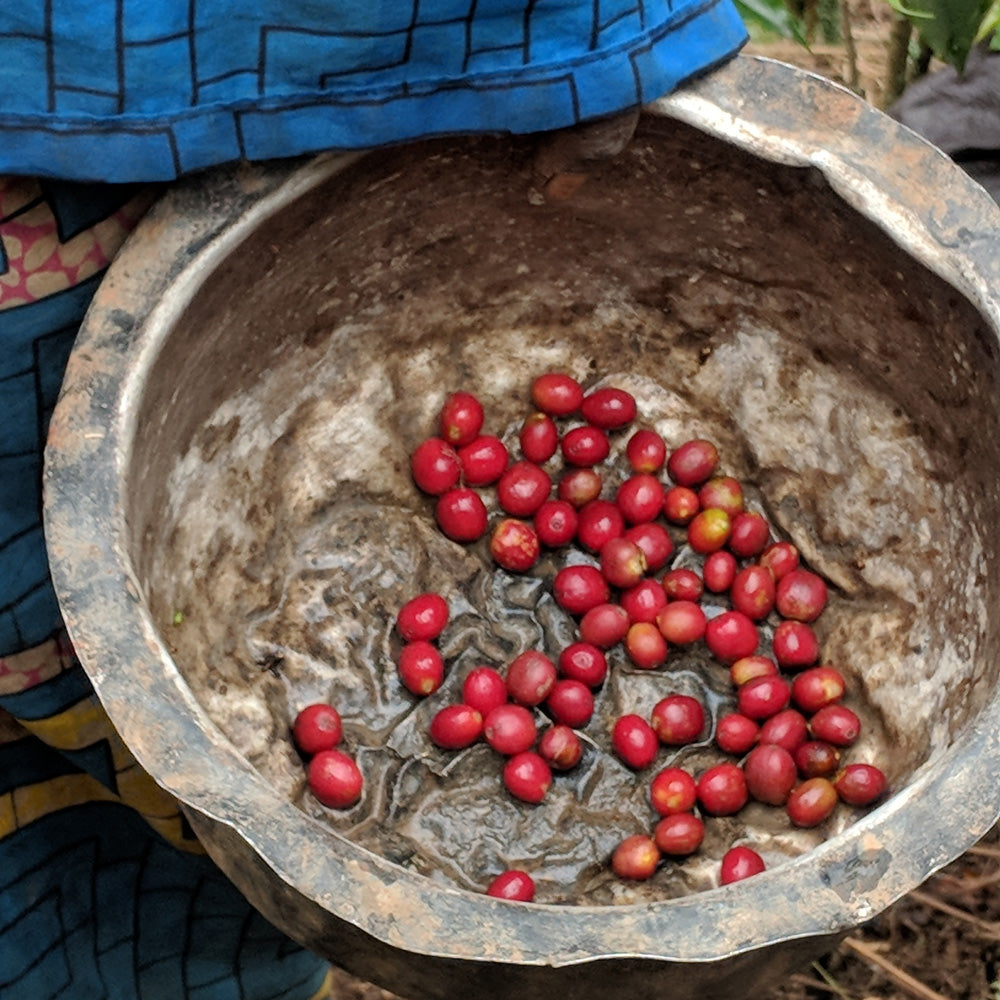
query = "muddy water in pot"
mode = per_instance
[{"x": 738, "y": 301}]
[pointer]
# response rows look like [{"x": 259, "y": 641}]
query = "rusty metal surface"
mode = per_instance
[{"x": 377, "y": 919}]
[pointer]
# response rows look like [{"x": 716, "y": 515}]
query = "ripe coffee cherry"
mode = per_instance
[
  {"x": 557, "y": 394},
  {"x": 635, "y": 858},
  {"x": 420, "y": 667},
  {"x": 682, "y": 622},
  {"x": 722, "y": 790},
  {"x": 787, "y": 729},
  {"x": 585, "y": 446},
  {"x": 422, "y": 617},
  {"x": 735, "y": 733},
  {"x": 583, "y": 661},
  {"x": 816, "y": 759},
  {"x": 644, "y": 601},
  {"x": 640, "y": 498},
  {"x": 749, "y": 667},
  {"x": 752, "y": 592},
  {"x": 719, "y": 571},
  {"x": 646, "y": 451},
  {"x": 608, "y": 408},
  {"x": 673, "y": 790},
  {"x": 835, "y": 724},
  {"x": 484, "y": 689},
  {"x": 570, "y": 702},
  {"x": 461, "y": 515},
  {"x": 560, "y": 747},
  {"x": 860, "y": 784},
  {"x": 435, "y": 466},
  {"x": 335, "y": 779},
  {"x": 739, "y": 863},
  {"x": 605, "y": 625},
  {"x": 817, "y": 687},
  {"x": 655, "y": 542},
  {"x": 801, "y": 595},
  {"x": 708, "y": 530},
  {"x": 316, "y": 728},
  {"x": 682, "y": 585},
  {"x": 523, "y": 488},
  {"x": 795, "y": 645},
  {"x": 731, "y": 636},
  {"x": 645, "y": 645},
  {"x": 763, "y": 696},
  {"x": 724, "y": 493},
  {"x": 679, "y": 835},
  {"x": 483, "y": 461},
  {"x": 579, "y": 486},
  {"x": 510, "y": 729},
  {"x": 623, "y": 563},
  {"x": 599, "y": 521},
  {"x": 514, "y": 545},
  {"x": 514, "y": 884},
  {"x": 811, "y": 802},
  {"x": 461, "y": 418},
  {"x": 750, "y": 534},
  {"x": 693, "y": 462},
  {"x": 527, "y": 777},
  {"x": 455, "y": 727},
  {"x": 579, "y": 588},
  {"x": 530, "y": 677},
  {"x": 677, "y": 719},
  {"x": 539, "y": 438},
  {"x": 780, "y": 558},
  {"x": 555, "y": 523},
  {"x": 770, "y": 773},
  {"x": 634, "y": 741},
  {"x": 680, "y": 504}
]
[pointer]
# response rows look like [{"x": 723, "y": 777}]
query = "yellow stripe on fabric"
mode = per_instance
[
  {"x": 8, "y": 819},
  {"x": 32, "y": 802},
  {"x": 77, "y": 727}
]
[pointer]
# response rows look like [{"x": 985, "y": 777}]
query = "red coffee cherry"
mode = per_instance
[
  {"x": 682, "y": 585},
  {"x": 523, "y": 488},
  {"x": 677, "y": 719},
  {"x": 435, "y": 466},
  {"x": 530, "y": 677},
  {"x": 655, "y": 542},
  {"x": 461, "y": 515},
  {"x": 635, "y": 858},
  {"x": 723, "y": 493},
  {"x": 484, "y": 689},
  {"x": 739, "y": 863},
  {"x": 605, "y": 625},
  {"x": 585, "y": 446},
  {"x": 680, "y": 504},
  {"x": 770, "y": 773},
  {"x": 693, "y": 462},
  {"x": 810, "y": 803},
  {"x": 682, "y": 622},
  {"x": 817, "y": 687},
  {"x": 608, "y": 408},
  {"x": 646, "y": 451},
  {"x": 623, "y": 563},
  {"x": 747, "y": 668},
  {"x": 316, "y": 728},
  {"x": 527, "y": 777},
  {"x": 795, "y": 645},
  {"x": 763, "y": 696},
  {"x": 780, "y": 558},
  {"x": 644, "y": 601},
  {"x": 673, "y": 790},
  {"x": 583, "y": 661},
  {"x": 557, "y": 394},
  {"x": 640, "y": 498},
  {"x": 579, "y": 486},
  {"x": 634, "y": 741},
  {"x": 816, "y": 759},
  {"x": 787, "y": 729},
  {"x": 483, "y": 461},
  {"x": 335, "y": 779},
  {"x": 570, "y": 702},
  {"x": 513, "y": 884},
  {"x": 461, "y": 418},
  {"x": 722, "y": 790},
  {"x": 420, "y": 667},
  {"x": 645, "y": 645},
  {"x": 709, "y": 530},
  {"x": 579, "y": 588},
  {"x": 731, "y": 636},
  {"x": 560, "y": 747},
  {"x": 719, "y": 571},
  {"x": 455, "y": 727},
  {"x": 679, "y": 835},
  {"x": 422, "y": 617},
  {"x": 801, "y": 595},
  {"x": 835, "y": 724},
  {"x": 555, "y": 523},
  {"x": 510, "y": 729},
  {"x": 750, "y": 535},
  {"x": 860, "y": 784},
  {"x": 752, "y": 592},
  {"x": 736, "y": 734},
  {"x": 599, "y": 521},
  {"x": 539, "y": 438},
  {"x": 514, "y": 545}
]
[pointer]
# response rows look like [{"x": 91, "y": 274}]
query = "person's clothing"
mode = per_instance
[
  {"x": 104, "y": 892},
  {"x": 114, "y": 91}
]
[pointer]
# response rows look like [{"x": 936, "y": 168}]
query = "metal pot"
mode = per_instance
[{"x": 761, "y": 207}]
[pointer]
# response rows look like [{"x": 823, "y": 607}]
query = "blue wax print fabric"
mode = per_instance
[{"x": 137, "y": 90}]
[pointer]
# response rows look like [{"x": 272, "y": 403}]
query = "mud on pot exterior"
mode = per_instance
[{"x": 177, "y": 327}]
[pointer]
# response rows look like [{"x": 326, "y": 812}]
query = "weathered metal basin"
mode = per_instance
[{"x": 771, "y": 260}]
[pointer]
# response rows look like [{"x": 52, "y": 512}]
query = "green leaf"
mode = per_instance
[
  {"x": 772, "y": 16},
  {"x": 949, "y": 27}
]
